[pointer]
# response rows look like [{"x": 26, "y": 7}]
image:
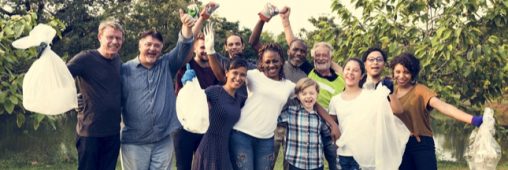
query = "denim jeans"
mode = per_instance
[
  {"x": 251, "y": 153},
  {"x": 419, "y": 155},
  {"x": 157, "y": 155},
  {"x": 348, "y": 163}
]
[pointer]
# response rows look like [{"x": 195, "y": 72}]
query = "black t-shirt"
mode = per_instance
[{"x": 99, "y": 83}]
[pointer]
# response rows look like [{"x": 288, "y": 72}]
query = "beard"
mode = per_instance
[{"x": 325, "y": 66}]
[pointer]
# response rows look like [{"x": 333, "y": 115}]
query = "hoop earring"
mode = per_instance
[{"x": 413, "y": 81}]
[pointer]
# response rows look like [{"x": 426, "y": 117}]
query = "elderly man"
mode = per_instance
[
  {"x": 148, "y": 99},
  {"x": 330, "y": 84},
  {"x": 98, "y": 76}
]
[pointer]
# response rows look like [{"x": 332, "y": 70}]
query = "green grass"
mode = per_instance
[{"x": 24, "y": 165}]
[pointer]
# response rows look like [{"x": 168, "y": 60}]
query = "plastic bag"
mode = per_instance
[
  {"x": 192, "y": 107},
  {"x": 48, "y": 86},
  {"x": 377, "y": 136},
  {"x": 483, "y": 152}
]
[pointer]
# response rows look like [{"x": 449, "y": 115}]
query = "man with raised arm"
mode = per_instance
[{"x": 148, "y": 99}]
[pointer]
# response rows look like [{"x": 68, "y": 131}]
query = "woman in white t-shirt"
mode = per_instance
[
  {"x": 369, "y": 129},
  {"x": 251, "y": 142}
]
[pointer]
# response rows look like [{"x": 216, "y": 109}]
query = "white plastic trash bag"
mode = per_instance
[
  {"x": 48, "y": 86},
  {"x": 376, "y": 136},
  {"x": 483, "y": 152},
  {"x": 192, "y": 107}
]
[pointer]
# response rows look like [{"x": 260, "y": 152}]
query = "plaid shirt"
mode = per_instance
[{"x": 304, "y": 148}]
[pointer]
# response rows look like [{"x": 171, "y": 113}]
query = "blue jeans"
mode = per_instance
[
  {"x": 348, "y": 163},
  {"x": 419, "y": 155},
  {"x": 251, "y": 153},
  {"x": 157, "y": 155}
]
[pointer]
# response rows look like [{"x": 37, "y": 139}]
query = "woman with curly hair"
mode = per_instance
[
  {"x": 251, "y": 141},
  {"x": 417, "y": 102}
]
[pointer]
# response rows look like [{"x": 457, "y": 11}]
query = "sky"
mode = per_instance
[{"x": 245, "y": 11}]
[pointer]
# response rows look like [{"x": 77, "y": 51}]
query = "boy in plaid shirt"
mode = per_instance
[{"x": 304, "y": 148}]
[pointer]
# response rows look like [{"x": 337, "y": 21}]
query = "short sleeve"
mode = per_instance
[
  {"x": 211, "y": 93},
  {"x": 332, "y": 110},
  {"x": 425, "y": 93},
  {"x": 77, "y": 64}
]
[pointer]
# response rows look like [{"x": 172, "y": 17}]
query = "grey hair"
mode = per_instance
[{"x": 321, "y": 44}]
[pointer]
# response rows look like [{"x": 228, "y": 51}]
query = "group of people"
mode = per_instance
[{"x": 313, "y": 111}]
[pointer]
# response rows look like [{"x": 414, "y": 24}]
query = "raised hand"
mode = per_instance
[
  {"x": 209, "y": 9},
  {"x": 268, "y": 12},
  {"x": 209, "y": 39},
  {"x": 284, "y": 12},
  {"x": 188, "y": 75},
  {"x": 187, "y": 23}
]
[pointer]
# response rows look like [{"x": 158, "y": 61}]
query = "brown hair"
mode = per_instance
[
  {"x": 305, "y": 82},
  {"x": 110, "y": 22}
]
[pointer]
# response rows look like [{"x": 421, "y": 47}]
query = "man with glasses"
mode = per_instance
[{"x": 374, "y": 60}]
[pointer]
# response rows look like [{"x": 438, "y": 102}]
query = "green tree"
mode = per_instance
[
  {"x": 461, "y": 44},
  {"x": 14, "y": 64}
]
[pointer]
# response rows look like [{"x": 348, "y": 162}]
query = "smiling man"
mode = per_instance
[
  {"x": 330, "y": 84},
  {"x": 148, "y": 99},
  {"x": 98, "y": 75}
]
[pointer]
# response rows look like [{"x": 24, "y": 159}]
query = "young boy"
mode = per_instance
[{"x": 304, "y": 148}]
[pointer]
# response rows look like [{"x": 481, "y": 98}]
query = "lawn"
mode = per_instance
[{"x": 20, "y": 165}]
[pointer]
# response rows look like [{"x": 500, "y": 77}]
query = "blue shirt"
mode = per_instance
[{"x": 148, "y": 96}]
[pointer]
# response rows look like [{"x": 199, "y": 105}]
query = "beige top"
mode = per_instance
[{"x": 416, "y": 115}]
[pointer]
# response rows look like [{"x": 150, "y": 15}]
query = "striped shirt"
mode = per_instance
[{"x": 304, "y": 148}]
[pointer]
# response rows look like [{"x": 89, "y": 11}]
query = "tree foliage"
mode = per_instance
[
  {"x": 77, "y": 24},
  {"x": 462, "y": 44},
  {"x": 14, "y": 64}
]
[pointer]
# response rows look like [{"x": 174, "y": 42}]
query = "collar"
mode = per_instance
[{"x": 329, "y": 78}]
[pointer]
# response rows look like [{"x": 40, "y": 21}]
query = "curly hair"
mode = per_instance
[
  {"x": 410, "y": 62},
  {"x": 274, "y": 48},
  {"x": 373, "y": 49}
]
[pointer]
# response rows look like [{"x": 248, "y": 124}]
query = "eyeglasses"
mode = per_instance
[{"x": 378, "y": 59}]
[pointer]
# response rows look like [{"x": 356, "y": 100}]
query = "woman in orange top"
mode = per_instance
[{"x": 418, "y": 101}]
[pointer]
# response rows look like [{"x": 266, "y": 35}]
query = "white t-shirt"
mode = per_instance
[
  {"x": 263, "y": 105},
  {"x": 345, "y": 109}
]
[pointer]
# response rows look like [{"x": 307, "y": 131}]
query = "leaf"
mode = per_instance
[
  {"x": 493, "y": 39},
  {"x": 9, "y": 107},
  {"x": 447, "y": 34},
  {"x": 439, "y": 32},
  {"x": 2, "y": 96},
  {"x": 13, "y": 99},
  {"x": 38, "y": 119},
  {"x": 20, "y": 119}
]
